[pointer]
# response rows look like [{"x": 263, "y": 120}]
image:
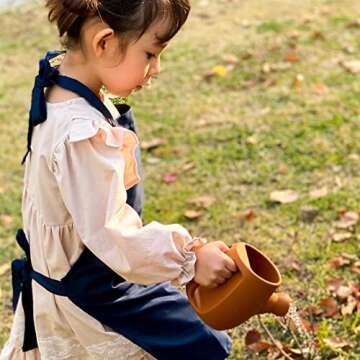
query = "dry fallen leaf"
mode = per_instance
[
  {"x": 6, "y": 219},
  {"x": 259, "y": 346},
  {"x": 152, "y": 160},
  {"x": 230, "y": 59},
  {"x": 193, "y": 214},
  {"x": 318, "y": 35},
  {"x": 252, "y": 140},
  {"x": 321, "y": 89},
  {"x": 334, "y": 283},
  {"x": 247, "y": 215},
  {"x": 188, "y": 165},
  {"x": 251, "y": 337},
  {"x": 152, "y": 144},
  {"x": 340, "y": 237},
  {"x": 337, "y": 343},
  {"x": 284, "y": 196},
  {"x": 338, "y": 262},
  {"x": 4, "y": 269},
  {"x": 292, "y": 57},
  {"x": 352, "y": 66},
  {"x": 356, "y": 267},
  {"x": 170, "y": 178},
  {"x": 343, "y": 292},
  {"x": 329, "y": 306},
  {"x": 348, "y": 308},
  {"x": 204, "y": 201},
  {"x": 319, "y": 193}
]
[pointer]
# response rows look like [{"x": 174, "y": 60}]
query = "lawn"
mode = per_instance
[{"x": 255, "y": 97}]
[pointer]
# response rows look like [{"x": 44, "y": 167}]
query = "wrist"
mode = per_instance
[{"x": 198, "y": 242}]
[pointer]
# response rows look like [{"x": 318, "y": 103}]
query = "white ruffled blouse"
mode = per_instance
[{"x": 74, "y": 196}]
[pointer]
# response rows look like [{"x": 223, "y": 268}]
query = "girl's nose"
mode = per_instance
[{"x": 155, "y": 69}]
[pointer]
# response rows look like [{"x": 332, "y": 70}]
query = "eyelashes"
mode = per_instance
[{"x": 150, "y": 55}]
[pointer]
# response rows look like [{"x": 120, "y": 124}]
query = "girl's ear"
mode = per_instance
[{"x": 103, "y": 41}]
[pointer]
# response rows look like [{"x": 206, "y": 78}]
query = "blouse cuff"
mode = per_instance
[{"x": 188, "y": 270}]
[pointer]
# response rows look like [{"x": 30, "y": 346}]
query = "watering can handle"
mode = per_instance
[{"x": 241, "y": 261}]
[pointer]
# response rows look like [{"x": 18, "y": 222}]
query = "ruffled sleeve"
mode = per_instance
[{"x": 93, "y": 167}]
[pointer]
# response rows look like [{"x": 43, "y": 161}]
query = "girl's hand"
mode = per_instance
[{"x": 213, "y": 267}]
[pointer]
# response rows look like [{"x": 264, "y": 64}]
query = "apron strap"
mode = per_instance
[
  {"x": 49, "y": 76},
  {"x": 77, "y": 87},
  {"x": 22, "y": 274}
]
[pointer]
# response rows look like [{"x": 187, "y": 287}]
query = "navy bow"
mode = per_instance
[{"x": 47, "y": 77}]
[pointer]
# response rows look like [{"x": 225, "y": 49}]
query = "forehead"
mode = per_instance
[{"x": 155, "y": 33}]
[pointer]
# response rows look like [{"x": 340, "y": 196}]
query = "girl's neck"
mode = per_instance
[{"x": 75, "y": 66}]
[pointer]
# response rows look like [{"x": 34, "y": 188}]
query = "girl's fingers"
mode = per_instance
[{"x": 230, "y": 264}]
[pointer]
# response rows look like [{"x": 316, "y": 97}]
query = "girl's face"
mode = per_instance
[{"x": 139, "y": 63}]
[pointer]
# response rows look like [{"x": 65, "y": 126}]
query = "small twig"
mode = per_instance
[
  {"x": 273, "y": 339},
  {"x": 284, "y": 326}
]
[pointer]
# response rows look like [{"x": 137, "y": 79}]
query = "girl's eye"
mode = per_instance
[{"x": 150, "y": 55}]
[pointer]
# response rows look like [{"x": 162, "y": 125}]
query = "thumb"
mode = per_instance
[{"x": 230, "y": 264}]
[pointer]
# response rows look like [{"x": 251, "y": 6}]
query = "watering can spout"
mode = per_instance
[{"x": 278, "y": 304}]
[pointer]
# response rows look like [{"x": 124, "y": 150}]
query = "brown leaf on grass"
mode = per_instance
[
  {"x": 343, "y": 292},
  {"x": 340, "y": 237},
  {"x": 354, "y": 24},
  {"x": 338, "y": 262},
  {"x": 350, "y": 257},
  {"x": 356, "y": 267},
  {"x": 252, "y": 140},
  {"x": 170, "y": 178},
  {"x": 349, "y": 307},
  {"x": 152, "y": 144},
  {"x": 348, "y": 219},
  {"x": 280, "y": 66},
  {"x": 193, "y": 214},
  {"x": 230, "y": 59},
  {"x": 254, "y": 343},
  {"x": 318, "y": 35},
  {"x": 292, "y": 57},
  {"x": 251, "y": 337},
  {"x": 334, "y": 283},
  {"x": 188, "y": 165},
  {"x": 247, "y": 215},
  {"x": 310, "y": 326},
  {"x": 152, "y": 160},
  {"x": 260, "y": 346},
  {"x": 310, "y": 310},
  {"x": 284, "y": 196},
  {"x": 337, "y": 343},
  {"x": 204, "y": 201},
  {"x": 6, "y": 219},
  {"x": 352, "y": 66},
  {"x": 292, "y": 264},
  {"x": 319, "y": 193},
  {"x": 356, "y": 291},
  {"x": 266, "y": 68},
  {"x": 308, "y": 213},
  {"x": 329, "y": 306},
  {"x": 4, "y": 269},
  {"x": 321, "y": 89}
]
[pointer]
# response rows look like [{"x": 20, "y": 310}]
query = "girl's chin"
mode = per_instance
[{"x": 121, "y": 94}]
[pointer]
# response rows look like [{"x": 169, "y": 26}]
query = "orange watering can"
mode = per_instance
[{"x": 248, "y": 292}]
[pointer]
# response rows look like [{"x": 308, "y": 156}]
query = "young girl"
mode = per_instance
[{"x": 102, "y": 286}]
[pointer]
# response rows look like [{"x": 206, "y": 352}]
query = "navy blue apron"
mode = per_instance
[{"x": 158, "y": 318}]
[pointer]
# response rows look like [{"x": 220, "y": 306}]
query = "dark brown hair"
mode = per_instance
[{"x": 131, "y": 18}]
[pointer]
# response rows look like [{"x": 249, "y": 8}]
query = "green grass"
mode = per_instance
[{"x": 304, "y": 140}]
